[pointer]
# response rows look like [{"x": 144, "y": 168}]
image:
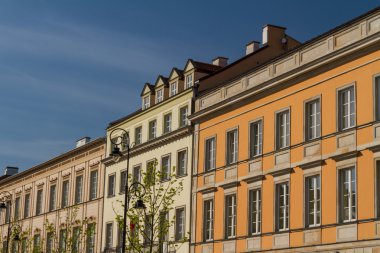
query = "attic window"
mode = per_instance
[
  {"x": 146, "y": 102},
  {"x": 189, "y": 81},
  {"x": 160, "y": 96},
  {"x": 173, "y": 89}
]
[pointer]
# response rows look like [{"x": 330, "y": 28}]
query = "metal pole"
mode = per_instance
[{"x": 126, "y": 203}]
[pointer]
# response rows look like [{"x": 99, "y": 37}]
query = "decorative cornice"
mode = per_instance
[
  {"x": 345, "y": 156},
  {"x": 149, "y": 145}
]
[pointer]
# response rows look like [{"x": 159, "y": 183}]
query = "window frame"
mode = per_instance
[
  {"x": 277, "y": 207},
  {"x": 183, "y": 123},
  {"x": 250, "y": 124},
  {"x": 78, "y": 196},
  {"x": 207, "y": 222},
  {"x": 165, "y": 177},
  {"x": 138, "y": 134},
  {"x": 114, "y": 185},
  {"x": 184, "y": 150},
  {"x": 173, "y": 84},
  {"x": 189, "y": 82},
  {"x": 340, "y": 207},
  {"x": 340, "y": 117},
  {"x": 39, "y": 202},
  {"x": 26, "y": 208},
  {"x": 278, "y": 145},
  {"x": 236, "y": 146},
  {"x": 68, "y": 193},
  {"x": 133, "y": 172},
  {"x": 159, "y": 95},
  {"x": 106, "y": 242},
  {"x": 176, "y": 223},
  {"x": 146, "y": 102},
  {"x": 170, "y": 129},
  {"x": 205, "y": 165},
  {"x": 52, "y": 199},
  {"x": 152, "y": 135},
  {"x": 91, "y": 197},
  {"x": 306, "y": 118},
  {"x": 258, "y": 213},
  {"x": 233, "y": 216},
  {"x": 122, "y": 184},
  {"x": 307, "y": 222}
]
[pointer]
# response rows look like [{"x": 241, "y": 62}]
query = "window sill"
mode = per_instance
[{"x": 181, "y": 176}]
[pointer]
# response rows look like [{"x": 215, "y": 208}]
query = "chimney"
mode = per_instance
[
  {"x": 10, "y": 171},
  {"x": 273, "y": 35},
  {"x": 220, "y": 61},
  {"x": 252, "y": 47},
  {"x": 83, "y": 141}
]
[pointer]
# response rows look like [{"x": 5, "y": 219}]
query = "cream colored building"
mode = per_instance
[
  {"x": 160, "y": 130},
  {"x": 52, "y": 190}
]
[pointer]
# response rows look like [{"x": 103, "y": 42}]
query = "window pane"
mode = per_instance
[
  {"x": 78, "y": 189},
  {"x": 230, "y": 216},
  {"x": 93, "y": 184},
  {"x": 208, "y": 220},
  {"x": 256, "y": 138},
  {"x": 65, "y": 194},
  {"x": 210, "y": 154},
  {"x": 182, "y": 162}
]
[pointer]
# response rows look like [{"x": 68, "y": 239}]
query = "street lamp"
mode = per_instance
[
  {"x": 119, "y": 137},
  {"x": 6, "y": 197}
]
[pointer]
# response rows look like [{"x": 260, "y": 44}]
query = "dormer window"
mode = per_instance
[
  {"x": 173, "y": 89},
  {"x": 160, "y": 96},
  {"x": 189, "y": 81},
  {"x": 146, "y": 102}
]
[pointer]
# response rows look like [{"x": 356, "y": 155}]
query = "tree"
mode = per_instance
[{"x": 148, "y": 229}]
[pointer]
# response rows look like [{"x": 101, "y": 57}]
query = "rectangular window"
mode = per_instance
[
  {"x": 148, "y": 229},
  {"x": 152, "y": 129},
  {"x": 230, "y": 216},
  {"x": 90, "y": 240},
  {"x": 183, "y": 113},
  {"x": 109, "y": 232},
  {"x": 37, "y": 243},
  {"x": 347, "y": 195},
  {"x": 283, "y": 129},
  {"x": 165, "y": 168},
  {"x": 124, "y": 141},
  {"x": 17, "y": 208},
  {"x": 49, "y": 242},
  {"x": 179, "y": 224},
  {"x": 173, "y": 89},
  {"x": 159, "y": 96},
  {"x": 8, "y": 212},
  {"x": 52, "y": 200},
  {"x": 39, "y": 200},
  {"x": 168, "y": 123},
  {"x": 313, "y": 201},
  {"x": 76, "y": 240},
  {"x": 312, "y": 119},
  {"x": 189, "y": 81},
  {"x": 78, "y": 189},
  {"x": 182, "y": 163},
  {"x": 282, "y": 206},
  {"x": 256, "y": 138},
  {"x": 62, "y": 241},
  {"x": 164, "y": 232},
  {"x": 210, "y": 154},
  {"x": 93, "y": 184},
  {"x": 138, "y": 135},
  {"x": 123, "y": 181},
  {"x": 346, "y": 110},
  {"x": 24, "y": 245},
  {"x": 254, "y": 208},
  {"x": 27, "y": 205},
  {"x": 232, "y": 146},
  {"x": 377, "y": 97},
  {"x": 150, "y": 176},
  {"x": 111, "y": 185},
  {"x": 65, "y": 194},
  {"x": 208, "y": 220},
  {"x": 146, "y": 102},
  {"x": 137, "y": 174}
]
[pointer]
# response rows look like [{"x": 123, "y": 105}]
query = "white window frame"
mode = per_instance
[
  {"x": 108, "y": 237},
  {"x": 165, "y": 175},
  {"x": 173, "y": 88},
  {"x": 146, "y": 102},
  {"x": 27, "y": 205},
  {"x": 311, "y": 206},
  {"x": 208, "y": 220},
  {"x": 137, "y": 178},
  {"x": 189, "y": 81},
  {"x": 93, "y": 194},
  {"x": 138, "y": 135},
  {"x": 347, "y": 103},
  {"x": 254, "y": 216},
  {"x": 167, "y": 123},
  {"x": 282, "y": 206},
  {"x": 53, "y": 198},
  {"x": 230, "y": 229},
  {"x": 283, "y": 129},
  {"x": 210, "y": 154},
  {"x": 256, "y": 138},
  {"x": 313, "y": 119},
  {"x": 78, "y": 196},
  {"x": 152, "y": 134},
  {"x": 180, "y": 224},
  {"x": 183, "y": 121},
  {"x": 232, "y": 146},
  {"x": 39, "y": 201},
  {"x": 181, "y": 163},
  {"x": 65, "y": 194},
  {"x": 352, "y": 194},
  {"x": 113, "y": 185},
  {"x": 159, "y": 95}
]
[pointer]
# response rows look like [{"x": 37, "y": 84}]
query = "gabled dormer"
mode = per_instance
[
  {"x": 161, "y": 88},
  {"x": 175, "y": 81},
  {"x": 194, "y": 70},
  {"x": 147, "y": 96}
]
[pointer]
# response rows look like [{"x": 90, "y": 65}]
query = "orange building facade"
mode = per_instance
[{"x": 287, "y": 153}]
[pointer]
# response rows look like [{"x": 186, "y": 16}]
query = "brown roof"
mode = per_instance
[
  {"x": 150, "y": 86},
  {"x": 205, "y": 67}
]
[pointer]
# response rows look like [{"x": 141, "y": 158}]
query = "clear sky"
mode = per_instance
[{"x": 68, "y": 68}]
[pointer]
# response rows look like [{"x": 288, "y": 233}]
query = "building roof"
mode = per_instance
[{"x": 150, "y": 86}]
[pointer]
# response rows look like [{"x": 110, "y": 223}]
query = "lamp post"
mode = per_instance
[
  {"x": 119, "y": 137},
  {"x": 5, "y": 198}
]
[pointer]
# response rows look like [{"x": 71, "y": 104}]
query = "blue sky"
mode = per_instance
[{"x": 67, "y": 68}]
